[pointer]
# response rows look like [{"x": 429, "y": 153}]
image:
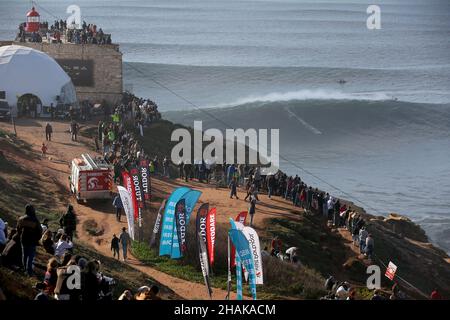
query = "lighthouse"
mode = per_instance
[{"x": 33, "y": 23}]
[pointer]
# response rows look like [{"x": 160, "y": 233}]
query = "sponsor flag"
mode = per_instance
[
  {"x": 244, "y": 252},
  {"x": 135, "y": 178},
  {"x": 128, "y": 184},
  {"x": 127, "y": 202},
  {"x": 211, "y": 234},
  {"x": 255, "y": 248},
  {"x": 190, "y": 198},
  {"x": 200, "y": 222},
  {"x": 203, "y": 255},
  {"x": 145, "y": 179},
  {"x": 391, "y": 270},
  {"x": 239, "y": 226},
  {"x": 157, "y": 223},
  {"x": 180, "y": 220},
  {"x": 241, "y": 218},
  {"x": 201, "y": 235},
  {"x": 167, "y": 230},
  {"x": 236, "y": 262}
]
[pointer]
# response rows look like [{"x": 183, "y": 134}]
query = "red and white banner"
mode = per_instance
[
  {"x": 128, "y": 184},
  {"x": 391, "y": 270},
  {"x": 255, "y": 248},
  {"x": 211, "y": 234},
  {"x": 97, "y": 180},
  {"x": 138, "y": 195}
]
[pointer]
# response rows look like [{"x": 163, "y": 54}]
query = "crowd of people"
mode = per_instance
[
  {"x": 117, "y": 135},
  {"x": 291, "y": 188},
  {"x": 60, "y": 32},
  {"x": 117, "y": 140},
  {"x": 18, "y": 249}
]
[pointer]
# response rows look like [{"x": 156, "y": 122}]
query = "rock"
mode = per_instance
[
  {"x": 355, "y": 267},
  {"x": 404, "y": 227}
]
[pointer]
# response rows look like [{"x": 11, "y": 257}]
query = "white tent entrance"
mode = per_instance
[
  {"x": 32, "y": 79},
  {"x": 29, "y": 105}
]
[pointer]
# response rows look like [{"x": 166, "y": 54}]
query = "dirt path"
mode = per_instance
[
  {"x": 56, "y": 166},
  {"x": 61, "y": 150}
]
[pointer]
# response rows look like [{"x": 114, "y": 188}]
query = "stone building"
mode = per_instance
[{"x": 95, "y": 70}]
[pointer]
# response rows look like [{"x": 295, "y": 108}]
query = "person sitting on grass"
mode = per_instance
[
  {"x": 42, "y": 295},
  {"x": 12, "y": 253},
  {"x": 62, "y": 246},
  {"x": 343, "y": 291},
  {"x": 47, "y": 242},
  {"x": 51, "y": 276},
  {"x": 153, "y": 294},
  {"x": 126, "y": 295}
]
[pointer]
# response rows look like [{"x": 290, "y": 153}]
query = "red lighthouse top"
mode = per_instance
[
  {"x": 33, "y": 13},
  {"x": 32, "y": 21}
]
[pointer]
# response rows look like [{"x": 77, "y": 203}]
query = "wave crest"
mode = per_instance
[{"x": 311, "y": 95}]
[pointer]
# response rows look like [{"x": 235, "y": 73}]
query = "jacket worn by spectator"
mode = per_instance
[
  {"x": 68, "y": 221},
  {"x": 29, "y": 228}
]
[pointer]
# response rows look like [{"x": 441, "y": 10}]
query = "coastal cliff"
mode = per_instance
[{"x": 24, "y": 175}]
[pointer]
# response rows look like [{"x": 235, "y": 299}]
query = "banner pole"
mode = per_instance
[{"x": 229, "y": 270}]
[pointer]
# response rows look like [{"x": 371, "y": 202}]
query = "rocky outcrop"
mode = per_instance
[{"x": 404, "y": 227}]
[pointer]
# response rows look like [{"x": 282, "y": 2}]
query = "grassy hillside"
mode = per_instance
[{"x": 20, "y": 186}]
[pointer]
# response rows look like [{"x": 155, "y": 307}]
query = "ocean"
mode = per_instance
[{"x": 381, "y": 139}]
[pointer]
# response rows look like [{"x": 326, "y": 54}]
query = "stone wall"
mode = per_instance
[{"x": 107, "y": 67}]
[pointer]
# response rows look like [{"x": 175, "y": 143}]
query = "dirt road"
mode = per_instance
[{"x": 56, "y": 165}]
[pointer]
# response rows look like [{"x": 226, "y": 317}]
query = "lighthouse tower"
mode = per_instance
[{"x": 33, "y": 22}]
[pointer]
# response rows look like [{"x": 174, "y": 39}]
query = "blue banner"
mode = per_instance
[
  {"x": 191, "y": 198},
  {"x": 242, "y": 246},
  {"x": 167, "y": 230}
]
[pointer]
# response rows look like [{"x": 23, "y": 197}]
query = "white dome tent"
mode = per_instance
[{"x": 26, "y": 71}]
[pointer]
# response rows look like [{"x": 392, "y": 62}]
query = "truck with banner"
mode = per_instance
[{"x": 90, "y": 178}]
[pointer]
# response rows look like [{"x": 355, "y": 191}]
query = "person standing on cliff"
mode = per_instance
[
  {"x": 252, "y": 208},
  {"x": 69, "y": 222},
  {"x": 117, "y": 203},
  {"x": 336, "y": 216},
  {"x": 233, "y": 187},
  {"x": 30, "y": 232},
  {"x": 125, "y": 241},
  {"x": 115, "y": 246},
  {"x": 74, "y": 130},
  {"x": 362, "y": 239},
  {"x": 330, "y": 208},
  {"x": 44, "y": 149},
  {"x": 48, "y": 132},
  {"x": 369, "y": 246}
]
